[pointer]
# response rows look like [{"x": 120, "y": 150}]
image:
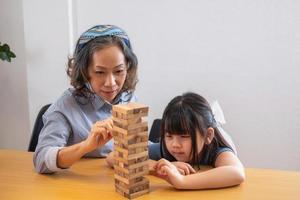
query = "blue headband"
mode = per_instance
[{"x": 102, "y": 31}]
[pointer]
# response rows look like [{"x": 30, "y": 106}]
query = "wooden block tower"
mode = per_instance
[{"x": 130, "y": 134}]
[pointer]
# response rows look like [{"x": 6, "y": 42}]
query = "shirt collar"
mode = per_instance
[{"x": 99, "y": 102}]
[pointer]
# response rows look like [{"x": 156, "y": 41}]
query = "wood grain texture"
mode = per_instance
[{"x": 92, "y": 179}]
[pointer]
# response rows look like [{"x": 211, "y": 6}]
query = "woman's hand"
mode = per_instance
[
  {"x": 169, "y": 172},
  {"x": 101, "y": 133}
]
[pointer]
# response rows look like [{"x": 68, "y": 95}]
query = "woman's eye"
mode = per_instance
[
  {"x": 120, "y": 71},
  {"x": 99, "y": 72}
]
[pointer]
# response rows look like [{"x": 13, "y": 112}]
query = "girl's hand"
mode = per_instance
[
  {"x": 184, "y": 168},
  {"x": 110, "y": 159},
  {"x": 168, "y": 171},
  {"x": 101, "y": 133}
]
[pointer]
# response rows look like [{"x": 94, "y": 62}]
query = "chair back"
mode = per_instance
[
  {"x": 154, "y": 135},
  {"x": 38, "y": 125}
]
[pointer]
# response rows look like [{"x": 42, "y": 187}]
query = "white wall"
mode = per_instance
[
  {"x": 38, "y": 32},
  {"x": 243, "y": 53},
  {"x": 14, "y": 112},
  {"x": 47, "y": 41}
]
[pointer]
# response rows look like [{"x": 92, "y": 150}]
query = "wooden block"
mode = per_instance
[
  {"x": 135, "y": 183},
  {"x": 139, "y": 164},
  {"x": 121, "y": 169},
  {"x": 123, "y": 151},
  {"x": 131, "y": 172},
  {"x": 139, "y": 182},
  {"x": 129, "y": 127},
  {"x": 130, "y": 108},
  {"x": 129, "y": 117},
  {"x": 137, "y": 194},
  {"x": 138, "y": 155},
  {"x": 127, "y": 162},
  {"x": 132, "y": 131},
  {"x": 127, "y": 141},
  {"x": 130, "y": 134},
  {"x": 138, "y": 174},
  {"x": 139, "y": 134},
  {"x": 141, "y": 144},
  {"x": 127, "y": 121},
  {"x": 133, "y": 116},
  {"x": 136, "y": 126},
  {"x": 122, "y": 179},
  {"x": 133, "y": 190},
  {"x": 142, "y": 159}
]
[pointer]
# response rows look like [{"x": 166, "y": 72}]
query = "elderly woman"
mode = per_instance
[{"x": 103, "y": 72}]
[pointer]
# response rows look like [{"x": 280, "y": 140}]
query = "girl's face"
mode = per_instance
[
  {"x": 180, "y": 146},
  {"x": 107, "y": 72}
]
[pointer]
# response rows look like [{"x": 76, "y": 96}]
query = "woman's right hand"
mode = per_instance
[{"x": 101, "y": 133}]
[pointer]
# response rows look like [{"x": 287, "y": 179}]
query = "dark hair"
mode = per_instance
[
  {"x": 190, "y": 114},
  {"x": 77, "y": 68}
]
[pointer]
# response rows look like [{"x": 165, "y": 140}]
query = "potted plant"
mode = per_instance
[{"x": 5, "y": 53}]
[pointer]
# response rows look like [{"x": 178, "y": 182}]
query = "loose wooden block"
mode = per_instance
[
  {"x": 129, "y": 117},
  {"x": 130, "y": 108}
]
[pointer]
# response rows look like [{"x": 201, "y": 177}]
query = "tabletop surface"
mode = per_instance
[{"x": 92, "y": 179}]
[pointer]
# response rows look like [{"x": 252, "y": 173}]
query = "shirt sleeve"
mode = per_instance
[
  {"x": 218, "y": 152},
  {"x": 53, "y": 137}
]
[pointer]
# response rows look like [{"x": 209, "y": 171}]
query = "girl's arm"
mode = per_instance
[
  {"x": 229, "y": 171},
  {"x": 183, "y": 168}
]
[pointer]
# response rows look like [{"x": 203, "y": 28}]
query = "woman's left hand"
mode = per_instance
[{"x": 169, "y": 172}]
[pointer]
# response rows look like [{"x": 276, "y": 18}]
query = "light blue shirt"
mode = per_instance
[{"x": 68, "y": 121}]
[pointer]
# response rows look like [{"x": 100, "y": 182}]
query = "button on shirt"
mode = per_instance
[{"x": 68, "y": 121}]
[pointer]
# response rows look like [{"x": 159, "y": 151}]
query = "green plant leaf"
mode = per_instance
[
  {"x": 5, "y": 53},
  {"x": 11, "y": 54},
  {"x": 4, "y": 56},
  {"x": 6, "y": 48}
]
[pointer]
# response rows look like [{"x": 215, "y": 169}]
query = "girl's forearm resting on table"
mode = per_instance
[{"x": 223, "y": 176}]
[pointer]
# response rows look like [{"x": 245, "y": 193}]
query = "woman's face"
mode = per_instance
[{"x": 107, "y": 72}]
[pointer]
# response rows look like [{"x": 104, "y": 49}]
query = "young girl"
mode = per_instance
[{"x": 191, "y": 137}]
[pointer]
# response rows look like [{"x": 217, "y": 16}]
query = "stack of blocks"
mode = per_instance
[{"x": 130, "y": 134}]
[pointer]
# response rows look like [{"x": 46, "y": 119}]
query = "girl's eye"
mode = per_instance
[
  {"x": 168, "y": 135},
  {"x": 185, "y": 136}
]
